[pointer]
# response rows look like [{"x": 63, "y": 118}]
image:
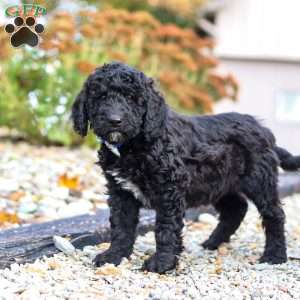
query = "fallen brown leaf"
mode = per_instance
[
  {"x": 218, "y": 265},
  {"x": 8, "y": 218},
  {"x": 218, "y": 261},
  {"x": 35, "y": 270},
  {"x": 53, "y": 264},
  {"x": 68, "y": 182},
  {"x": 108, "y": 270},
  {"x": 223, "y": 250},
  {"x": 218, "y": 269},
  {"x": 16, "y": 196},
  {"x": 198, "y": 226}
]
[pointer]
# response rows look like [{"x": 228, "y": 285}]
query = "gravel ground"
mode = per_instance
[
  {"x": 35, "y": 182},
  {"x": 232, "y": 272}
]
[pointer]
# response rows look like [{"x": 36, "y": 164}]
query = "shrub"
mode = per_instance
[
  {"x": 39, "y": 86},
  {"x": 179, "y": 12}
]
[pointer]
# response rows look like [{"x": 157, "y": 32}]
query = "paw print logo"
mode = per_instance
[{"x": 24, "y": 33}]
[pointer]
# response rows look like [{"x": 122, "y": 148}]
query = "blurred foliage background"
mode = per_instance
[{"x": 38, "y": 85}]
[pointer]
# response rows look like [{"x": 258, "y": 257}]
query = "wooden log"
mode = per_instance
[
  {"x": 289, "y": 184},
  {"x": 27, "y": 243}
]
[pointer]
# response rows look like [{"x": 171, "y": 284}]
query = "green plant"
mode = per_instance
[{"x": 37, "y": 91}]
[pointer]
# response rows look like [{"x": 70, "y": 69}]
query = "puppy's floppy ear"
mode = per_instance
[
  {"x": 156, "y": 111},
  {"x": 79, "y": 112}
]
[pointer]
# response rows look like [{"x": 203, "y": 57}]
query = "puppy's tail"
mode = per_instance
[{"x": 288, "y": 162}]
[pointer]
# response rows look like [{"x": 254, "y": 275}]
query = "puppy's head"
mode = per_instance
[{"x": 119, "y": 103}]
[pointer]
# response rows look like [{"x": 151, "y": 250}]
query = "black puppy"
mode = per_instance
[{"x": 155, "y": 158}]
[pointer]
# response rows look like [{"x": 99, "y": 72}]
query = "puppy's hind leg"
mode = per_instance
[
  {"x": 273, "y": 219},
  {"x": 232, "y": 209},
  {"x": 275, "y": 248},
  {"x": 262, "y": 190}
]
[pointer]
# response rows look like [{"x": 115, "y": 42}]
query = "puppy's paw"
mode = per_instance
[
  {"x": 107, "y": 257},
  {"x": 273, "y": 259},
  {"x": 210, "y": 244},
  {"x": 160, "y": 263}
]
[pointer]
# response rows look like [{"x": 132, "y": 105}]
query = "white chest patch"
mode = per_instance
[{"x": 131, "y": 187}]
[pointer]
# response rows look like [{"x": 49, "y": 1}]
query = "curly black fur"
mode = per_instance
[{"x": 170, "y": 161}]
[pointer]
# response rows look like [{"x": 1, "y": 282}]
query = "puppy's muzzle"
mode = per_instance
[{"x": 115, "y": 137}]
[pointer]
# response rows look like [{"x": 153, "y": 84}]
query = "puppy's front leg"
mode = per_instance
[
  {"x": 124, "y": 211},
  {"x": 168, "y": 229}
]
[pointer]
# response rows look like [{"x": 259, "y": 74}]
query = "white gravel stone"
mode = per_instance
[
  {"x": 75, "y": 208},
  {"x": 207, "y": 219},
  {"x": 90, "y": 251},
  {"x": 7, "y": 185},
  {"x": 27, "y": 207},
  {"x": 59, "y": 193},
  {"x": 63, "y": 245}
]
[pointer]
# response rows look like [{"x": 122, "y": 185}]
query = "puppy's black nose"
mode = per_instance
[{"x": 114, "y": 120}]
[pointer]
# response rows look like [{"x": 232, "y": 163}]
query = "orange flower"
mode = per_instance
[
  {"x": 185, "y": 8},
  {"x": 231, "y": 80},
  {"x": 47, "y": 44},
  {"x": 85, "y": 67},
  {"x": 99, "y": 24},
  {"x": 170, "y": 31},
  {"x": 62, "y": 14},
  {"x": 205, "y": 100},
  {"x": 144, "y": 18},
  {"x": 207, "y": 61},
  {"x": 218, "y": 83},
  {"x": 126, "y": 31},
  {"x": 187, "y": 103},
  {"x": 87, "y": 13},
  {"x": 88, "y": 31},
  {"x": 119, "y": 56}
]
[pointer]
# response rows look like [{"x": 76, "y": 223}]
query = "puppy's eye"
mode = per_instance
[
  {"x": 130, "y": 97},
  {"x": 140, "y": 101},
  {"x": 128, "y": 79},
  {"x": 103, "y": 97}
]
